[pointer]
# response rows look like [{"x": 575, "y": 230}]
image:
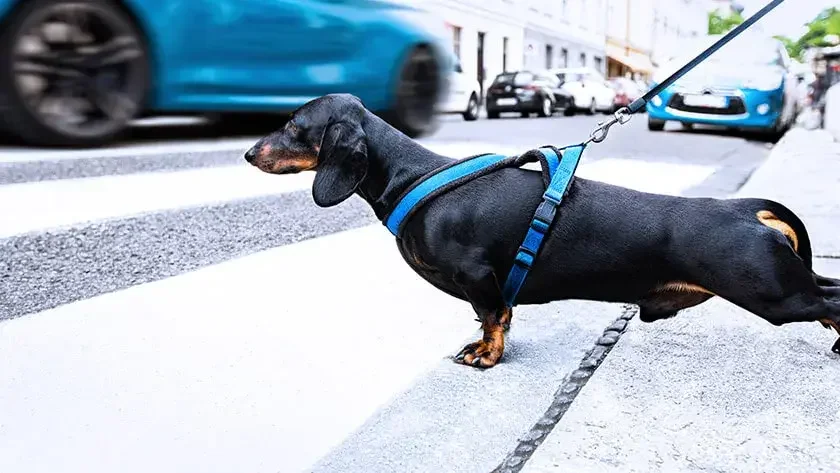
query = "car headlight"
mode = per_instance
[{"x": 764, "y": 82}]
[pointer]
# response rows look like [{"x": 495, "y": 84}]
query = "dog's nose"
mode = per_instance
[{"x": 250, "y": 155}]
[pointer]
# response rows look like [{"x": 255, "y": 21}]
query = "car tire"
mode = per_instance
[
  {"x": 546, "y": 109},
  {"x": 656, "y": 125},
  {"x": 417, "y": 94},
  {"x": 95, "y": 103},
  {"x": 471, "y": 113},
  {"x": 570, "y": 109},
  {"x": 492, "y": 115}
]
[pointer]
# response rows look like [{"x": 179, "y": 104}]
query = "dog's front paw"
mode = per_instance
[{"x": 481, "y": 354}]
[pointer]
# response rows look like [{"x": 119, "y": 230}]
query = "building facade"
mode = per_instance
[
  {"x": 494, "y": 36},
  {"x": 642, "y": 34},
  {"x": 614, "y": 37},
  {"x": 564, "y": 33}
]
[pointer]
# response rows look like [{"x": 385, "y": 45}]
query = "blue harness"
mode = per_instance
[{"x": 560, "y": 170}]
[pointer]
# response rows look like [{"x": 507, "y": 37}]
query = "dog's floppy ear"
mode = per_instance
[{"x": 342, "y": 163}]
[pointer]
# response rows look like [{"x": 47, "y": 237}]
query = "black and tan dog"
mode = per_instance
[{"x": 608, "y": 243}]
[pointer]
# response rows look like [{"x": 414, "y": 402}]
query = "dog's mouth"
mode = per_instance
[
  {"x": 285, "y": 166},
  {"x": 273, "y": 161}
]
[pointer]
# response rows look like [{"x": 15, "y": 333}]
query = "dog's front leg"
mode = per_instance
[{"x": 482, "y": 290}]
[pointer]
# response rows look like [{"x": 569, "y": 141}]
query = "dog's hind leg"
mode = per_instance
[
  {"x": 482, "y": 289},
  {"x": 665, "y": 301}
]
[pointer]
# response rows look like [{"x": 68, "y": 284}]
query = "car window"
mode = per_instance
[
  {"x": 505, "y": 78},
  {"x": 549, "y": 79},
  {"x": 523, "y": 78},
  {"x": 570, "y": 76}
]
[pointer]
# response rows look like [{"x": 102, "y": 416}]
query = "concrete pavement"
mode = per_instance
[{"x": 717, "y": 388}]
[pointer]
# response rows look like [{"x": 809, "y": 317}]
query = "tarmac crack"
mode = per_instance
[{"x": 566, "y": 394}]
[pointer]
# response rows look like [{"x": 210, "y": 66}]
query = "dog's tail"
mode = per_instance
[{"x": 781, "y": 218}]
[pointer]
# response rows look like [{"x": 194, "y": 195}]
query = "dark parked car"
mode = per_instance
[{"x": 526, "y": 92}]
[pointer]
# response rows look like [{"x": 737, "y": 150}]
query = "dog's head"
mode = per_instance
[{"x": 324, "y": 135}]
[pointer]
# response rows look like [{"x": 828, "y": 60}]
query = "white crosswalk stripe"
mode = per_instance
[{"x": 265, "y": 360}]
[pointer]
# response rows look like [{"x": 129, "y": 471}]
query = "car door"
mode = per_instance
[
  {"x": 282, "y": 51},
  {"x": 460, "y": 89},
  {"x": 601, "y": 92}
]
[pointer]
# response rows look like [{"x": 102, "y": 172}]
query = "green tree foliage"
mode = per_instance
[
  {"x": 719, "y": 24},
  {"x": 825, "y": 24}
]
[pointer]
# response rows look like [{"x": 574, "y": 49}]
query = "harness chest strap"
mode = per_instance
[{"x": 559, "y": 173}]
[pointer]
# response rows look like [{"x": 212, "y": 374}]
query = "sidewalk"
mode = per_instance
[{"x": 717, "y": 388}]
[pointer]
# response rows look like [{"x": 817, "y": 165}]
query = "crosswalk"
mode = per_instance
[{"x": 258, "y": 361}]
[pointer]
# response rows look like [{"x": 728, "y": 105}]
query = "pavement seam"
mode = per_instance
[{"x": 566, "y": 394}]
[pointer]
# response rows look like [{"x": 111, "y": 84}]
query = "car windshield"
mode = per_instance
[
  {"x": 741, "y": 50},
  {"x": 570, "y": 76},
  {"x": 506, "y": 78}
]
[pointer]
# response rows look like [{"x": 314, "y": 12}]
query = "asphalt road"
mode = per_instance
[
  {"x": 169, "y": 201},
  {"x": 151, "y": 246}
]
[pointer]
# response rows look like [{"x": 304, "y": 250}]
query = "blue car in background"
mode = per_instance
[
  {"x": 747, "y": 84},
  {"x": 76, "y": 72}
]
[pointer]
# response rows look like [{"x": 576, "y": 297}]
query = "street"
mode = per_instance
[{"x": 167, "y": 307}]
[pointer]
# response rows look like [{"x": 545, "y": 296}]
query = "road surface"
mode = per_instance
[{"x": 166, "y": 307}]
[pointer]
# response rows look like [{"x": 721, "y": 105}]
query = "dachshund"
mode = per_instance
[{"x": 608, "y": 243}]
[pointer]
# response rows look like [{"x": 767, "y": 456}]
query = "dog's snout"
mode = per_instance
[{"x": 251, "y": 154}]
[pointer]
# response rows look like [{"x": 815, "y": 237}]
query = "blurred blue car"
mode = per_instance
[
  {"x": 75, "y": 72},
  {"x": 747, "y": 84}
]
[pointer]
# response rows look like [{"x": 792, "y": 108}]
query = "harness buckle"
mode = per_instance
[{"x": 544, "y": 215}]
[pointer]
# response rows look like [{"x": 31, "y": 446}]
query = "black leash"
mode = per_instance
[{"x": 623, "y": 115}]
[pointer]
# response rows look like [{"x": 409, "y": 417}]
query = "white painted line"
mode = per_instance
[
  {"x": 21, "y": 155},
  {"x": 645, "y": 176},
  {"x": 13, "y": 155},
  {"x": 37, "y": 206},
  {"x": 260, "y": 364},
  {"x": 40, "y": 205}
]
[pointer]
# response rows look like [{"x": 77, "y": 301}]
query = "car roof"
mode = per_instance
[{"x": 574, "y": 70}]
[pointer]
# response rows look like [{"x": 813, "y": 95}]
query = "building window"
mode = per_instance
[
  {"x": 549, "y": 56},
  {"x": 564, "y": 57},
  {"x": 599, "y": 63},
  {"x": 456, "y": 41},
  {"x": 583, "y": 59},
  {"x": 504, "y": 53}
]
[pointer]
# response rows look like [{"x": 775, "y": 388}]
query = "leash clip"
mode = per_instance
[{"x": 600, "y": 132}]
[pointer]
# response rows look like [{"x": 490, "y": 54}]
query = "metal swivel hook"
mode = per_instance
[{"x": 600, "y": 132}]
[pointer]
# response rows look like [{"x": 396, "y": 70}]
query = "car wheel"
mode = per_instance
[
  {"x": 492, "y": 115},
  {"x": 570, "y": 109},
  {"x": 593, "y": 107},
  {"x": 547, "y": 108},
  {"x": 417, "y": 94},
  {"x": 656, "y": 125},
  {"x": 471, "y": 113},
  {"x": 72, "y": 73}
]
